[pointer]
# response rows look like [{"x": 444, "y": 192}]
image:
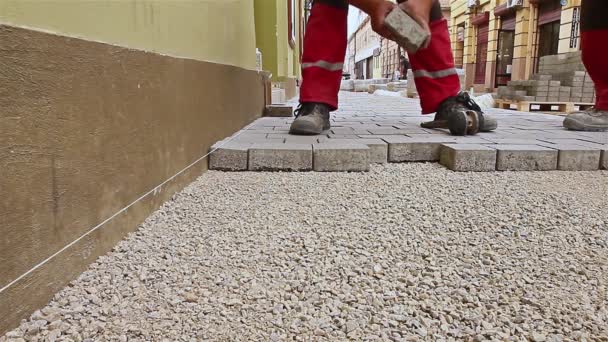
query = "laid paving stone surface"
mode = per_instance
[{"x": 392, "y": 126}]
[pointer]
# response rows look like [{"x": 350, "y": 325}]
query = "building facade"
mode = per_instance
[{"x": 496, "y": 41}]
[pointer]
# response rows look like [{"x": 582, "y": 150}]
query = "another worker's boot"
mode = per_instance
[
  {"x": 462, "y": 116},
  {"x": 311, "y": 118},
  {"x": 590, "y": 120}
]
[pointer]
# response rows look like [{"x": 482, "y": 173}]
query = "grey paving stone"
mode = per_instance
[
  {"x": 229, "y": 156},
  {"x": 514, "y": 141},
  {"x": 256, "y": 139},
  {"x": 566, "y": 142},
  {"x": 525, "y": 158},
  {"x": 604, "y": 162},
  {"x": 577, "y": 157},
  {"x": 468, "y": 157},
  {"x": 302, "y": 139},
  {"x": 404, "y": 149},
  {"x": 334, "y": 157},
  {"x": 276, "y": 110},
  {"x": 280, "y": 157},
  {"x": 378, "y": 148}
]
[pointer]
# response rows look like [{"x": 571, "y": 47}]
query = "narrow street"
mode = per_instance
[{"x": 404, "y": 252}]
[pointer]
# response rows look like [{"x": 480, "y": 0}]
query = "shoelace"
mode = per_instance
[
  {"x": 466, "y": 100},
  {"x": 300, "y": 109},
  {"x": 594, "y": 111}
]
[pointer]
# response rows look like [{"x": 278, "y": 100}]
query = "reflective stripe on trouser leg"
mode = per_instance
[
  {"x": 324, "y": 51},
  {"x": 434, "y": 73}
]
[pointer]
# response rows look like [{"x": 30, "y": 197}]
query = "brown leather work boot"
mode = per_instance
[
  {"x": 462, "y": 116},
  {"x": 311, "y": 119}
]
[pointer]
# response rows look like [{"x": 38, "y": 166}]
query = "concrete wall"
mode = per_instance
[{"x": 95, "y": 136}]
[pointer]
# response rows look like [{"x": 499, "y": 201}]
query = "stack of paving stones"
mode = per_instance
[
  {"x": 561, "y": 78},
  {"x": 412, "y": 91},
  {"x": 370, "y": 129},
  {"x": 363, "y": 85},
  {"x": 397, "y": 86},
  {"x": 373, "y": 87}
]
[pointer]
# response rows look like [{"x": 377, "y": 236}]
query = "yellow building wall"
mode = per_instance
[
  {"x": 565, "y": 31},
  {"x": 271, "y": 25},
  {"x": 219, "y": 31},
  {"x": 288, "y": 56}
]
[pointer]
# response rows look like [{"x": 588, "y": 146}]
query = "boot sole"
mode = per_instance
[{"x": 574, "y": 126}]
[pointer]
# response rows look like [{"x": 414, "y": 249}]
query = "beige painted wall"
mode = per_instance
[{"x": 219, "y": 31}]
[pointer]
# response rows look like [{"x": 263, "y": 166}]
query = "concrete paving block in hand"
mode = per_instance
[
  {"x": 278, "y": 111},
  {"x": 280, "y": 157},
  {"x": 468, "y": 157},
  {"x": 335, "y": 157},
  {"x": 229, "y": 156},
  {"x": 407, "y": 32},
  {"x": 577, "y": 158},
  {"x": 525, "y": 158}
]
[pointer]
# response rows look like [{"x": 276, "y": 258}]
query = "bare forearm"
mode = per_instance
[{"x": 366, "y": 6}]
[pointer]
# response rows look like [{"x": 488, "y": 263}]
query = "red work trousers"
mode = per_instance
[
  {"x": 325, "y": 48},
  {"x": 594, "y": 35}
]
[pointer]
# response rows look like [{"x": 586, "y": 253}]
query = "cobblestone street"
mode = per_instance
[{"x": 371, "y": 129}]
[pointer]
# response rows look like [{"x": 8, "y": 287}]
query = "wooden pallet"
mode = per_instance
[{"x": 529, "y": 106}]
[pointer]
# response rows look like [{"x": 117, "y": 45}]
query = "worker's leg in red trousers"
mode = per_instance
[
  {"x": 434, "y": 73},
  {"x": 594, "y": 35},
  {"x": 324, "y": 51}
]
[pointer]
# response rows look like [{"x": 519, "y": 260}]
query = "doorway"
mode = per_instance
[
  {"x": 369, "y": 68},
  {"x": 504, "y": 60},
  {"x": 482, "y": 53},
  {"x": 548, "y": 39},
  {"x": 506, "y": 48},
  {"x": 549, "y": 18}
]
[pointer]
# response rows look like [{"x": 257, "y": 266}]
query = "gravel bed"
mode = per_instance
[{"x": 405, "y": 252}]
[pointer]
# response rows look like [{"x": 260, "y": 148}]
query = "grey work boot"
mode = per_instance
[
  {"x": 462, "y": 116},
  {"x": 590, "y": 120},
  {"x": 311, "y": 119}
]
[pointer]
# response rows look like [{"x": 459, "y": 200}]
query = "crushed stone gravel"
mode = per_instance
[{"x": 405, "y": 252}]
